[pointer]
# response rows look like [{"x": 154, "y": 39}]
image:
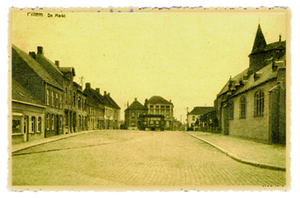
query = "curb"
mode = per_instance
[
  {"x": 237, "y": 158},
  {"x": 51, "y": 140}
]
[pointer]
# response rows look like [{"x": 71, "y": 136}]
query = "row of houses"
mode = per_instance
[
  {"x": 46, "y": 100},
  {"x": 252, "y": 104},
  {"x": 156, "y": 113}
]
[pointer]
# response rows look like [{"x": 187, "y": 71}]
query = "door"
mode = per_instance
[
  {"x": 57, "y": 125},
  {"x": 26, "y": 128}
]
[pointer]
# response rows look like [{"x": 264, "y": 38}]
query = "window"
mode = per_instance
[
  {"x": 193, "y": 118},
  {"x": 60, "y": 101},
  {"x": 79, "y": 103},
  {"x": 132, "y": 115},
  {"x": 230, "y": 110},
  {"x": 259, "y": 104},
  {"x": 48, "y": 97},
  {"x": 48, "y": 121},
  {"x": 39, "y": 128},
  {"x": 243, "y": 107},
  {"x": 74, "y": 99},
  {"x": 56, "y": 100},
  {"x": 16, "y": 124},
  {"x": 52, "y": 122},
  {"x": 52, "y": 98},
  {"x": 32, "y": 124}
]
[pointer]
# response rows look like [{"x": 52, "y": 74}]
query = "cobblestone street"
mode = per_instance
[{"x": 134, "y": 158}]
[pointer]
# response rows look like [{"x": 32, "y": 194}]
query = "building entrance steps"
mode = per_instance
[
  {"x": 24, "y": 145},
  {"x": 246, "y": 151}
]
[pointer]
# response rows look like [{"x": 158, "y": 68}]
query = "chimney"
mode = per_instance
[
  {"x": 32, "y": 54},
  {"x": 135, "y": 99},
  {"x": 98, "y": 90},
  {"x": 279, "y": 38},
  {"x": 108, "y": 94},
  {"x": 40, "y": 50},
  {"x": 57, "y": 63},
  {"x": 87, "y": 85},
  {"x": 170, "y": 101},
  {"x": 104, "y": 92},
  {"x": 127, "y": 104}
]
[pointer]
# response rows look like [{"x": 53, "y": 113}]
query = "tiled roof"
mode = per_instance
[
  {"x": 110, "y": 102},
  {"x": 265, "y": 74},
  {"x": 36, "y": 67},
  {"x": 158, "y": 100},
  {"x": 136, "y": 105},
  {"x": 21, "y": 94},
  {"x": 66, "y": 70},
  {"x": 200, "y": 110},
  {"x": 275, "y": 45},
  {"x": 50, "y": 67}
]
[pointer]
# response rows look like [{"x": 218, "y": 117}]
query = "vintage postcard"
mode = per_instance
[{"x": 168, "y": 99}]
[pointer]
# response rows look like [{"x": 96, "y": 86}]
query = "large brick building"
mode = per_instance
[
  {"x": 46, "y": 101},
  {"x": 252, "y": 104},
  {"x": 132, "y": 113}
]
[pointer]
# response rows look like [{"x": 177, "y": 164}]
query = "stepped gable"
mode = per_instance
[{"x": 37, "y": 68}]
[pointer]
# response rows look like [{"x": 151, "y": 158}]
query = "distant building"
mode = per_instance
[
  {"x": 195, "y": 115},
  {"x": 157, "y": 105},
  {"x": 252, "y": 104},
  {"x": 132, "y": 113}
]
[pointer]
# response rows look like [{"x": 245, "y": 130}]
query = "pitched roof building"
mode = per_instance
[
  {"x": 196, "y": 113},
  {"x": 252, "y": 103},
  {"x": 132, "y": 114}
]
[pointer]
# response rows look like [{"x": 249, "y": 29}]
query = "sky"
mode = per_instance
[{"x": 185, "y": 58}]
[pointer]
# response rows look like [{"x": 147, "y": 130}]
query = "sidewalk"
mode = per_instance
[
  {"x": 24, "y": 145},
  {"x": 246, "y": 151}
]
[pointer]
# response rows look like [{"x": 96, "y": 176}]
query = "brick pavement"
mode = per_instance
[{"x": 132, "y": 158}]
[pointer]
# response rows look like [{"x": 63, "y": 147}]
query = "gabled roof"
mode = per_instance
[
  {"x": 37, "y": 68},
  {"x": 50, "y": 67},
  {"x": 93, "y": 96},
  {"x": 66, "y": 70},
  {"x": 110, "y": 102},
  {"x": 158, "y": 100},
  {"x": 200, "y": 110},
  {"x": 136, "y": 105},
  {"x": 21, "y": 94},
  {"x": 265, "y": 74},
  {"x": 276, "y": 45}
]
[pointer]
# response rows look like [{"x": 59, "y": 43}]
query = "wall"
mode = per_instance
[{"x": 256, "y": 128}]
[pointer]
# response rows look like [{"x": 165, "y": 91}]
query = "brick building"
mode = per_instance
[
  {"x": 46, "y": 101},
  {"x": 253, "y": 103},
  {"x": 132, "y": 114},
  {"x": 195, "y": 114}
]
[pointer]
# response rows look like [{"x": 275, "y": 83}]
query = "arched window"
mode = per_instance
[
  {"x": 243, "y": 107},
  {"x": 230, "y": 110},
  {"x": 259, "y": 103}
]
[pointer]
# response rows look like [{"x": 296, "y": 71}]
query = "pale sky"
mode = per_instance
[{"x": 183, "y": 57}]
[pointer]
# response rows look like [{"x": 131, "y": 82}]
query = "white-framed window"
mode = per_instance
[
  {"x": 52, "y": 98},
  {"x": 39, "y": 124},
  {"x": 33, "y": 124},
  {"x": 56, "y": 100},
  {"x": 48, "y": 97},
  {"x": 48, "y": 121},
  {"x": 52, "y": 121},
  {"x": 16, "y": 124}
]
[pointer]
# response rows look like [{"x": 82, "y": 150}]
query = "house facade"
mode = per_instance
[
  {"x": 132, "y": 113},
  {"x": 195, "y": 115},
  {"x": 47, "y": 102},
  {"x": 252, "y": 104}
]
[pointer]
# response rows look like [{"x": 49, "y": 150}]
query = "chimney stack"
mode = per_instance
[
  {"x": 32, "y": 54},
  {"x": 87, "y": 85},
  {"x": 40, "y": 50},
  {"x": 279, "y": 38},
  {"x": 98, "y": 90},
  {"x": 108, "y": 94},
  {"x": 57, "y": 63},
  {"x": 135, "y": 99},
  {"x": 127, "y": 104},
  {"x": 104, "y": 92}
]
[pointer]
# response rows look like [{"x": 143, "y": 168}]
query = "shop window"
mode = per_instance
[
  {"x": 16, "y": 124},
  {"x": 259, "y": 104}
]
